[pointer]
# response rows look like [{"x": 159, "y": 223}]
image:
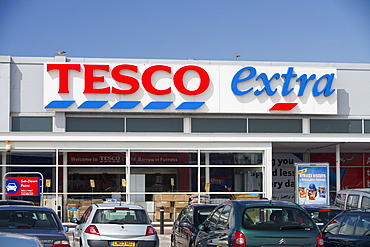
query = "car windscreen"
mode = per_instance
[
  {"x": 276, "y": 218},
  {"x": 120, "y": 216},
  {"x": 28, "y": 219},
  {"x": 202, "y": 214}
]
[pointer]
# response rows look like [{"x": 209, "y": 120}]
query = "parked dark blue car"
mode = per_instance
[
  {"x": 185, "y": 228},
  {"x": 34, "y": 221},
  {"x": 350, "y": 228}
]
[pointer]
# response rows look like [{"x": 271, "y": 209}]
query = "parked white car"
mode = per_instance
[{"x": 115, "y": 225}]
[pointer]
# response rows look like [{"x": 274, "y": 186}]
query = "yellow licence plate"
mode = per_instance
[{"x": 124, "y": 243}]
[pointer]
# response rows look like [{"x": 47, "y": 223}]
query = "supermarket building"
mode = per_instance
[{"x": 93, "y": 128}]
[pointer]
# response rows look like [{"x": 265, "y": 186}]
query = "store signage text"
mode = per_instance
[
  {"x": 133, "y": 82},
  {"x": 322, "y": 85},
  {"x": 22, "y": 186},
  {"x": 201, "y": 88},
  {"x": 326, "y": 88}
]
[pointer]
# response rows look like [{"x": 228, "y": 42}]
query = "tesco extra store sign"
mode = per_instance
[{"x": 189, "y": 88}]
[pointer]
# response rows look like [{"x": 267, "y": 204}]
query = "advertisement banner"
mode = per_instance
[
  {"x": 283, "y": 175},
  {"x": 312, "y": 181},
  {"x": 22, "y": 186}
]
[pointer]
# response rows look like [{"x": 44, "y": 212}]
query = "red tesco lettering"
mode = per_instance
[{"x": 117, "y": 75}]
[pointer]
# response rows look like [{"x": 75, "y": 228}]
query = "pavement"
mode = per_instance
[{"x": 164, "y": 239}]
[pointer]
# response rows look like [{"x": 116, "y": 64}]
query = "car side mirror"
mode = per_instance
[
  {"x": 74, "y": 220},
  {"x": 66, "y": 228}
]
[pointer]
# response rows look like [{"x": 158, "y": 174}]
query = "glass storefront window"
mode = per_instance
[
  {"x": 234, "y": 178},
  {"x": 231, "y": 158},
  {"x": 93, "y": 158},
  {"x": 164, "y": 179},
  {"x": 163, "y": 158},
  {"x": 218, "y": 125},
  {"x": 97, "y": 179},
  {"x": 336, "y": 126},
  {"x": 274, "y": 125},
  {"x": 28, "y": 164},
  {"x": 90, "y": 124},
  {"x": 30, "y": 158},
  {"x": 83, "y": 177},
  {"x": 31, "y": 124},
  {"x": 154, "y": 125}
]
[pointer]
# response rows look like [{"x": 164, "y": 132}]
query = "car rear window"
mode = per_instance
[
  {"x": 120, "y": 216},
  {"x": 276, "y": 218},
  {"x": 340, "y": 200},
  {"x": 365, "y": 202},
  {"x": 202, "y": 214},
  {"x": 322, "y": 216},
  {"x": 27, "y": 219}
]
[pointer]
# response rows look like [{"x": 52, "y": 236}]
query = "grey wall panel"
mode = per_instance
[
  {"x": 353, "y": 92},
  {"x": 4, "y": 94},
  {"x": 27, "y": 88}
]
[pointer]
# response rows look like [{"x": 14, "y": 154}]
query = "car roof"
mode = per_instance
[
  {"x": 202, "y": 205},
  {"x": 264, "y": 203},
  {"x": 357, "y": 210},
  {"x": 113, "y": 205},
  {"x": 15, "y": 202},
  {"x": 25, "y": 207},
  {"x": 367, "y": 190},
  {"x": 318, "y": 207}
]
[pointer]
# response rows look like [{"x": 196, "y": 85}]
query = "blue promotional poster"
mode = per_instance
[{"x": 312, "y": 180}]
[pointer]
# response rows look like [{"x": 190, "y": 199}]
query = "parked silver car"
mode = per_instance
[
  {"x": 110, "y": 224},
  {"x": 353, "y": 198}
]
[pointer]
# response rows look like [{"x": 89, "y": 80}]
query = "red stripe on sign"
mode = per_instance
[{"x": 283, "y": 106}]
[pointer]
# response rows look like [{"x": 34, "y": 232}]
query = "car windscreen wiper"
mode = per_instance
[{"x": 291, "y": 227}]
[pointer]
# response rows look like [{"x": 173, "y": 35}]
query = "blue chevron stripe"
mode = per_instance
[
  {"x": 61, "y": 104},
  {"x": 125, "y": 105},
  {"x": 190, "y": 105},
  {"x": 92, "y": 104},
  {"x": 154, "y": 105},
  {"x": 158, "y": 105}
]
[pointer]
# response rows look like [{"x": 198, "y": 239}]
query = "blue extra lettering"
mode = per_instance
[
  {"x": 236, "y": 80},
  {"x": 327, "y": 87},
  {"x": 303, "y": 81},
  {"x": 266, "y": 82}
]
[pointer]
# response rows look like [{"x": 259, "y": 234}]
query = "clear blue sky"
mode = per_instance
[{"x": 258, "y": 30}]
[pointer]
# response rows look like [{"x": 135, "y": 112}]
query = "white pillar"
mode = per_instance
[{"x": 337, "y": 165}]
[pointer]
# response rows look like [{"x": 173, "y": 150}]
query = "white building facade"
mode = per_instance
[{"x": 140, "y": 127}]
